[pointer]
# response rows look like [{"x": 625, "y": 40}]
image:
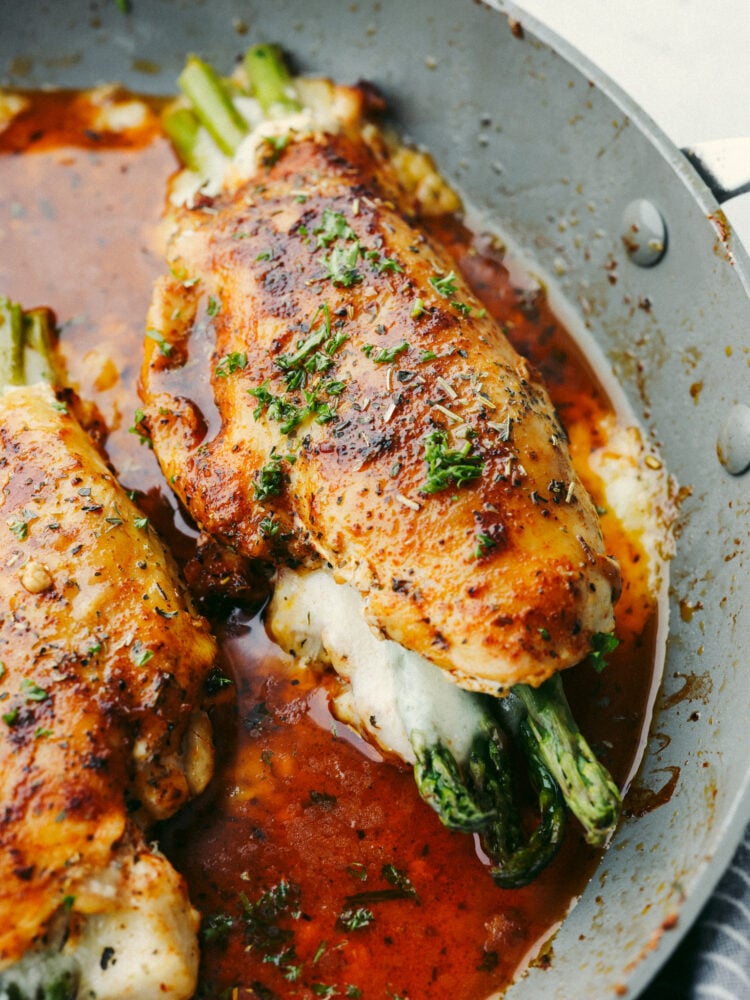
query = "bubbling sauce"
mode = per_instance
[{"x": 318, "y": 869}]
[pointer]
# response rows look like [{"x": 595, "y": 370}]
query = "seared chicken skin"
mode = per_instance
[
  {"x": 104, "y": 660},
  {"x": 318, "y": 382}
]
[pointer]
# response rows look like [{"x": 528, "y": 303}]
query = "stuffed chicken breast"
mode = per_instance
[
  {"x": 325, "y": 393},
  {"x": 103, "y": 663}
]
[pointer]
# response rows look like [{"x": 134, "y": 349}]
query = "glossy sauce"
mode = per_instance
[{"x": 298, "y": 800}]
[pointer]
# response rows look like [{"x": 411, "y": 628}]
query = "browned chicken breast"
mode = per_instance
[
  {"x": 319, "y": 384},
  {"x": 103, "y": 662}
]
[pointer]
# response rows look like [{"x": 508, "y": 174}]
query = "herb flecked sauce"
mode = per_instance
[{"x": 318, "y": 869}]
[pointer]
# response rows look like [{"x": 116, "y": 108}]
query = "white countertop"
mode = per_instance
[{"x": 686, "y": 62}]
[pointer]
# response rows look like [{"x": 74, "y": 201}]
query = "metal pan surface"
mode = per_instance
[{"x": 566, "y": 155}]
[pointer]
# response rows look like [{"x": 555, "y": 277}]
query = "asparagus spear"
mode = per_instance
[
  {"x": 591, "y": 794},
  {"x": 443, "y": 787},
  {"x": 561, "y": 765},
  {"x": 27, "y": 351},
  {"x": 213, "y": 105},
  {"x": 516, "y": 862},
  {"x": 41, "y": 975},
  {"x": 11, "y": 343},
  {"x": 270, "y": 80},
  {"x": 182, "y": 127}
]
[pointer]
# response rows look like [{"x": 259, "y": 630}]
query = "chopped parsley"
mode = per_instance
[
  {"x": 288, "y": 361},
  {"x": 261, "y": 918},
  {"x": 341, "y": 265},
  {"x": 383, "y": 264},
  {"x": 389, "y": 354},
  {"x": 214, "y": 306},
  {"x": 445, "y": 285},
  {"x": 306, "y": 360},
  {"x": 138, "y": 418},
  {"x": 417, "y": 309},
  {"x": 313, "y": 356},
  {"x": 269, "y": 480},
  {"x": 333, "y": 227},
  {"x": 268, "y": 527},
  {"x": 399, "y": 879},
  {"x": 164, "y": 346},
  {"x": 140, "y": 655},
  {"x": 19, "y": 528},
  {"x": 275, "y": 146},
  {"x": 276, "y": 408},
  {"x": 32, "y": 691},
  {"x": 357, "y": 871},
  {"x": 10, "y": 718},
  {"x": 485, "y": 543},
  {"x": 601, "y": 644},
  {"x": 446, "y": 467},
  {"x": 234, "y": 362},
  {"x": 321, "y": 990},
  {"x": 215, "y": 929},
  {"x": 141, "y": 523}
]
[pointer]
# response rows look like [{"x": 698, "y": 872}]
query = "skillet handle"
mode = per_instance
[{"x": 724, "y": 164}]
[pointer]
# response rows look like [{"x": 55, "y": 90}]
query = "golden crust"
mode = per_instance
[
  {"x": 104, "y": 660},
  {"x": 249, "y": 277}
]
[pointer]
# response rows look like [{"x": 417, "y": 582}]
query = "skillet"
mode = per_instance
[{"x": 550, "y": 153}]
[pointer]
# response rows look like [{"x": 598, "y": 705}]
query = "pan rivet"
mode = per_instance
[
  {"x": 733, "y": 445},
  {"x": 644, "y": 233}
]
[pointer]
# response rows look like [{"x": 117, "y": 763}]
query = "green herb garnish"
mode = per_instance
[
  {"x": 234, "y": 362},
  {"x": 140, "y": 655},
  {"x": 334, "y": 226},
  {"x": 268, "y": 527},
  {"x": 389, "y": 354},
  {"x": 164, "y": 346},
  {"x": 484, "y": 544},
  {"x": 602, "y": 643},
  {"x": 269, "y": 480},
  {"x": 446, "y": 467},
  {"x": 19, "y": 528},
  {"x": 215, "y": 929},
  {"x": 383, "y": 264},
  {"x": 32, "y": 691},
  {"x": 341, "y": 265},
  {"x": 276, "y": 144},
  {"x": 445, "y": 285}
]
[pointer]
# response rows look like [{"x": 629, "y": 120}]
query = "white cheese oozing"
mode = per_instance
[
  {"x": 131, "y": 935},
  {"x": 389, "y": 693},
  {"x": 143, "y": 945}
]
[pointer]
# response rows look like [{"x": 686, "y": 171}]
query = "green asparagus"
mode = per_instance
[
  {"x": 270, "y": 81},
  {"x": 27, "y": 352},
  {"x": 443, "y": 787},
  {"x": 41, "y": 975},
  {"x": 213, "y": 105},
  {"x": 586, "y": 785}
]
